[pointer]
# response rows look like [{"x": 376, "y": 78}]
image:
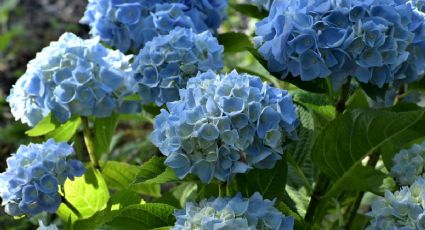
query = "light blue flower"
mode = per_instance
[
  {"x": 223, "y": 125},
  {"x": 378, "y": 42},
  {"x": 232, "y": 213},
  {"x": 403, "y": 209},
  {"x": 165, "y": 64},
  {"x": 73, "y": 77},
  {"x": 409, "y": 164},
  {"x": 34, "y": 174},
  {"x": 130, "y": 24}
]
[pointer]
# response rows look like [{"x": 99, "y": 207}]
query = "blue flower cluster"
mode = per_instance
[
  {"x": 129, "y": 24},
  {"x": 165, "y": 64},
  {"x": 404, "y": 209},
  {"x": 236, "y": 213},
  {"x": 46, "y": 227},
  {"x": 375, "y": 41},
  {"x": 72, "y": 77},
  {"x": 30, "y": 183},
  {"x": 409, "y": 164},
  {"x": 223, "y": 125}
]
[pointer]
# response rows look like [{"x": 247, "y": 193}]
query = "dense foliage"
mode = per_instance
[{"x": 216, "y": 114}]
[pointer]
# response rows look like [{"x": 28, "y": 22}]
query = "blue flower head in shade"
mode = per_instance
[
  {"x": 165, "y": 64},
  {"x": 30, "y": 183},
  {"x": 375, "y": 41},
  {"x": 403, "y": 209},
  {"x": 129, "y": 24},
  {"x": 236, "y": 213},
  {"x": 409, "y": 164},
  {"x": 72, "y": 77},
  {"x": 223, "y": 125}
]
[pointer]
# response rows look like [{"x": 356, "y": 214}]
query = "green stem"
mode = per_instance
[
  {"x": 71, "y": 207},
  {"x": 352, "y": 210},
  {"x": 222, "y": 189},
  {"x": 323, "y": 181},
  {"x": 88, "y": 139}
]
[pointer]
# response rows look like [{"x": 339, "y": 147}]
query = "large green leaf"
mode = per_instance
[
  {"x": 355, "y": 134},
  {"x": 155, "y": 171},
  {"x": 143, "y": 216},
  {"x": 269, "y": 182},
  {"x": 250, "y": 10},
  {"x": 234, "y": 42},
  {"x": 120, "y": 176},
  {"x": 87, "y": 194},
  {"x": 65, "y": 131},
  {"x": 104, "y": 129},
  {"x": 316, "y": 86},
  {"x": 45, "y": 126}
]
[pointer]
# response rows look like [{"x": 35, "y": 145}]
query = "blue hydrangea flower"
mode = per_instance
[
  {"x": 409, "y": 164},
  {"x": 46, "y": 227},
  {"x": 236, "y": 213},
  {"x": 223, "y": 125},
  {"x": 165, "y": 64},
  {"x": 403, "y": 209},
  {"x": 376, "y": 41},
  {"x": 129, "y": 24},
  {"x": 72, "y": 77},
  {"x": 30, "y": 183}
]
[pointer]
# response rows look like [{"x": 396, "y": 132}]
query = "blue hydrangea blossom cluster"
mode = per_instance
[
  {"x": 236, "y": 213},
  {"x": 73, "y": 77},
  {"x": 403, "y": 209},
  {"x": 409, "y": 164},
  {"x": 165, "y": 64},
  {"x": 30, "y": 183},
  {"x": 375, "y": 41},
  {"x": 223, "y": 125},
  {"x": 129, "y": 24}
]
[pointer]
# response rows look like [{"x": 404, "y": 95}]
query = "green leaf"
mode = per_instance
[
  {"x": 120, "y": 176},
  {"x": 234, "y": 42},
  {"x": 143, "y": 216},
  {"x": 358, "y": 178},
  {"x": 104, "y": 129},
  {"x": 269, "y": 182},
  {"x": 155, "y": 171},
  {"x": 179, "y": 195},
  {"x": 250, "y": 10},
  {"x": 87, "y": 194},
  {"x": 116, "y": 204},
  {"x": 316, "y": 86},
  {"x": 357, "y": 101},
  {"x": 45, "y": 126},
  {"x": 355, "y": 134},
  {"x": 66, "y": 131}
]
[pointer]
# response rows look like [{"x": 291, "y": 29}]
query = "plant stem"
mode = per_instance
[
  {"x": 88, "y": 139},
  {"x": 323, "y": 181},
  {"x": 352, "y": 210},
  {"x": 71, "y": 207},
  {"x": 222, "y": 189}
]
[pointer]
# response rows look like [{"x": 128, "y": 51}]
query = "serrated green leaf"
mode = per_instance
[
  {"x": 143, "y": 217},
  {"x": 355, "y": 134},
  {"x": 66, "y": 131},
  {"x": 234, "y": 42},
  {"x": 269, "y": 182},
  {"x": 358, "y": 178},
  {"x": 155, "y": 171},
  {"x": 87, "y": 194},
  {"x": 45, "y": 126},
  {"x": 250, "y": 10},
  {"x": 120, "y": 176},
  {"x": 103, "y": 130},
  {"x": 178, "y": 196}
]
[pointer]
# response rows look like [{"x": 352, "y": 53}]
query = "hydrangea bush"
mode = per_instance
[
  {"x": 232, "y": 213},
  {"x": 279, "y": 129},
  {"x": 223, "y": 125},
  {"x": 31, "y": 182},
  {"x": 165, "y": 64}
]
